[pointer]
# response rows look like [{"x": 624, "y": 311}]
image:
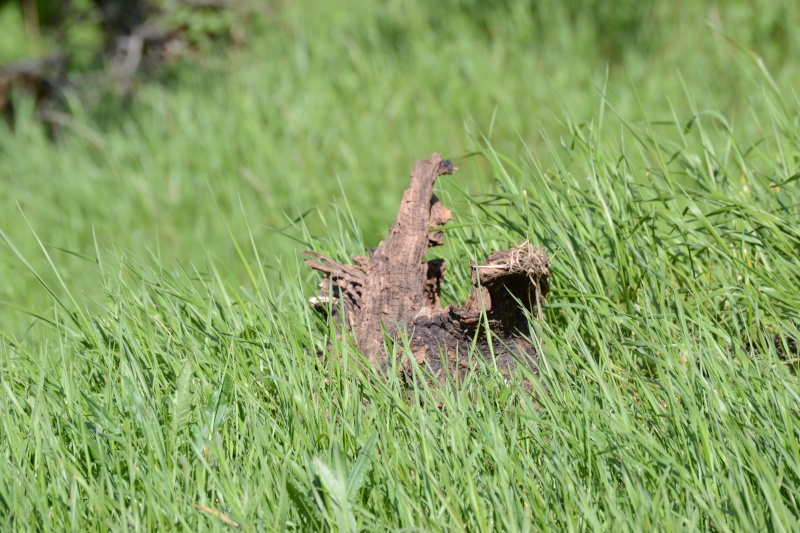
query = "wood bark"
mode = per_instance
[{"x": 393, "y": 293}]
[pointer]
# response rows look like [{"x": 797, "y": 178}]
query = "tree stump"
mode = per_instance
[{"x": 393, "y": 293}]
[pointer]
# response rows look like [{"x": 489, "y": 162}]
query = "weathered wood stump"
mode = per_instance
[{"x": 393, "y": 292}]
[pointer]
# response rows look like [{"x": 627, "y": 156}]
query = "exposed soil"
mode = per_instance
[{"x": 393, "y": 293}]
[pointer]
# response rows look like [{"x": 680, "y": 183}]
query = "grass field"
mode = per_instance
[{"x": 158, "y": 355}]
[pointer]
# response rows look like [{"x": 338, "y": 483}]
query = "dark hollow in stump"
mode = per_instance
[{"x": 392, "y": 292}]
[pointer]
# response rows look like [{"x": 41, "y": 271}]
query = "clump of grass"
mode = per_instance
[
  {"x": 316, "y": 109},
  {"x": 191, "y": 402},
  {"x": 183, "y": 390}
]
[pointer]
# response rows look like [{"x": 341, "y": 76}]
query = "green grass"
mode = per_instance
[{"x": 168, "y": 357}]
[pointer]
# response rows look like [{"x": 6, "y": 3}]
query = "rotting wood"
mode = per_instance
[{"x": 392, "y": 292}]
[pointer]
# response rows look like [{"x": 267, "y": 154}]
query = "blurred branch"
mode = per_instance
[
  {"x": 137, "y": 36},
  {"x": 130, "y": 50},
  {"x": 32, "y": 68}
]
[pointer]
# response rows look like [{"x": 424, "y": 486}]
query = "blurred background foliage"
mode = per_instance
[
  {"x": 260, "y": 114},
  {"x": 77, "y": 26}
]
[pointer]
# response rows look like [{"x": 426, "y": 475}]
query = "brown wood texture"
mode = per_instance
[{"x": 392, "y": 292}]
